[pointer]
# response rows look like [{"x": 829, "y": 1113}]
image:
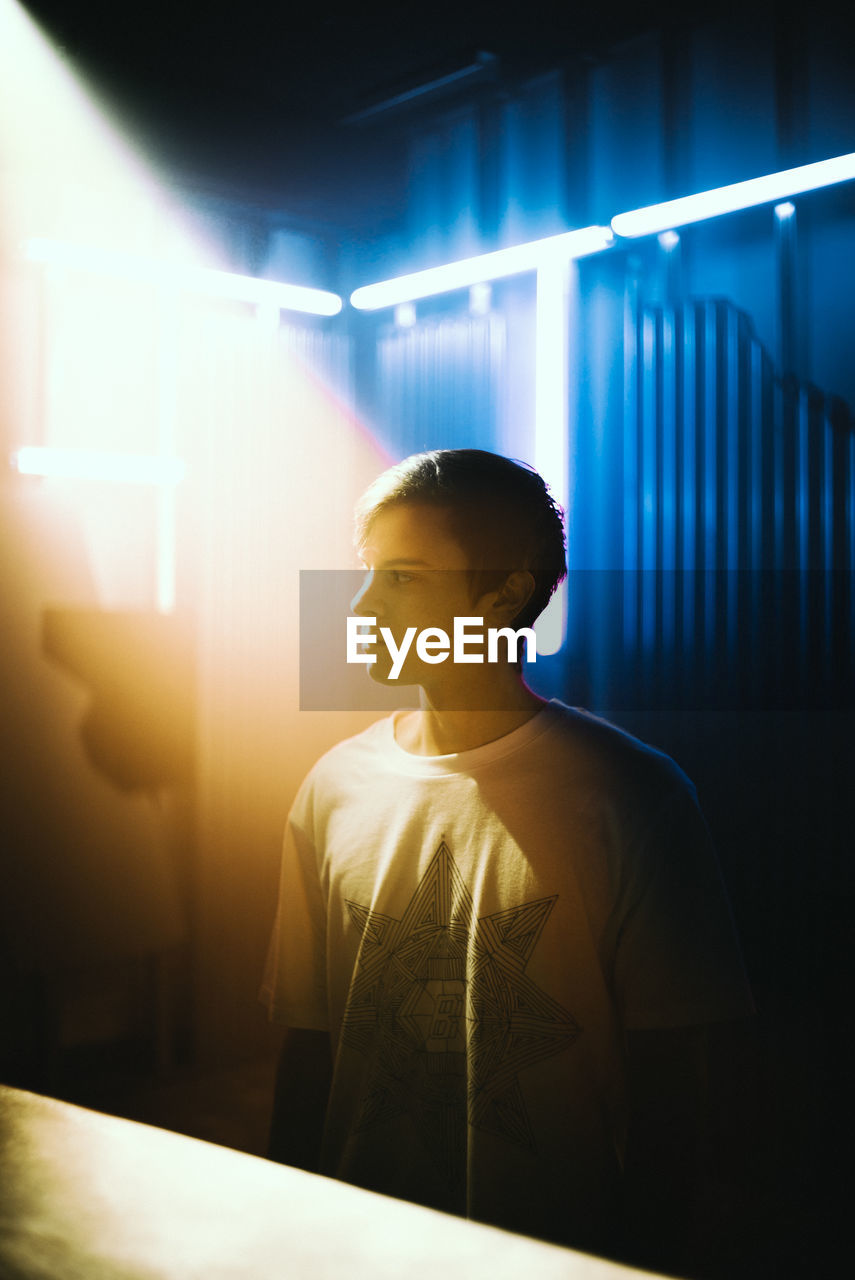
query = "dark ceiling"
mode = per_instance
[{"x": 248, "y": 97}]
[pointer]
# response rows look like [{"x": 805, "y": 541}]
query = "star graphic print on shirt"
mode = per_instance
[{"x": 443, "y": 1009}]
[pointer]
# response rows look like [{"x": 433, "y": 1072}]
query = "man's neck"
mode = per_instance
[{"x": 438, "y": 731}]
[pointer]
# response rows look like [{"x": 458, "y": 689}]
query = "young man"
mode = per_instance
[{"x": 501, "y": 928}]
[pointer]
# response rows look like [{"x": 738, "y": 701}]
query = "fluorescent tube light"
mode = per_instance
[
  {"x": 486, "y": 266},
  {"x": 97, "y": 464},
  {"x": 205, "y": 280},
  {"x": 739, "y": 195}
]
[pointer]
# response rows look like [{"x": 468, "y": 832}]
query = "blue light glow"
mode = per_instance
[
  {"x": 204, "y": 280},
  {"x": 552, "y": 340},
  {"x": 486, "y": 266},
  {"x": 480, "y": 298},
  {"x": 739, "y": 195},
  {"x": 669, "y": 240},
  {"x": 785, "y": 210},
  {"x": 405, "y": 315}
]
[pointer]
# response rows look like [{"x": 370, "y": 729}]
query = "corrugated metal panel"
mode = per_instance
[
  {"x": 440, "y": 382},
  {"x": 739, "y": 519}
]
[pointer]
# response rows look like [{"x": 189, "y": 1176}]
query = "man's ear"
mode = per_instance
[{"x": 500, "y": 607}]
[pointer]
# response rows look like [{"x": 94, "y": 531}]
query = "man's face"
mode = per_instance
[{"x": 417, "y": 577}]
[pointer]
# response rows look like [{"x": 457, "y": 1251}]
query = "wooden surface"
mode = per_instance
[{"x": 89, "y": 1197}]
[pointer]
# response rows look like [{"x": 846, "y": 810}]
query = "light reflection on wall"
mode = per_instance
[{"x": 273, "y": 460}]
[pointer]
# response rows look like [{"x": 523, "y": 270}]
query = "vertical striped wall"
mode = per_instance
[
  {"x": 439, "y": 383},
  {"x": 738, "y": 517}
]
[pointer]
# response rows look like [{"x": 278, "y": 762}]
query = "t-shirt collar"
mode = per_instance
[{"x": 463, "y": 761}]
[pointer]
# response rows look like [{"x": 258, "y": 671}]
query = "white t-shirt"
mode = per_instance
[{"x": 476, "y": 931}]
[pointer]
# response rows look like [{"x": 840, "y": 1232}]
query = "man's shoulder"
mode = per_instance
[
  {"x": 365, "y": 749},
  {"x": 613, "y": 753},
  {"x": 349, "y": 768}
]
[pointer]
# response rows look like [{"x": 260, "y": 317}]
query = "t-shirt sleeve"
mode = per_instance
[
  {"x": 677, "y": 959},
  {"x": 294, "y": 985}
]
